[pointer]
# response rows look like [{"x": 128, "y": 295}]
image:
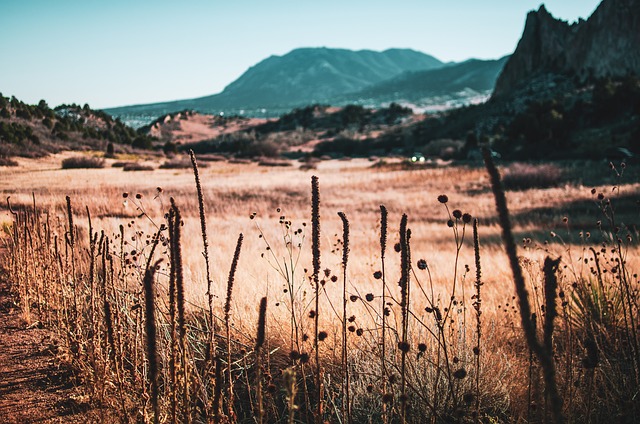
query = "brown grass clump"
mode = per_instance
[
  {"x": 80, "y": 162},
  {"x": 524, "y": 176},
  {"x": 5, "y": 161},
  {"x": 134, "y": 166},
  {"x": 274, "y": 162},
  {"x": 179, "y": 163}
]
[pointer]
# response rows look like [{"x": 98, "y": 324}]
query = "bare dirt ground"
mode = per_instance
[
  {"x": 35, "y": 385},
  {"x": 196, "y": 127}
]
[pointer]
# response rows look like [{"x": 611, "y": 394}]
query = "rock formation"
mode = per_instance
[{"x": 606, "y": 45}]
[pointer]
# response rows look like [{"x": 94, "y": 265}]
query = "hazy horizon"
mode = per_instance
[{"x": 119, "y": 54}]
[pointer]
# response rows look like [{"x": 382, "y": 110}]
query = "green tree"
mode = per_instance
[
  {"x": 111, "y": 152},
  {"x": 43, "y": 106},
  {"x": 141, "y": 142},
  {"x": 170, "y": 148}
]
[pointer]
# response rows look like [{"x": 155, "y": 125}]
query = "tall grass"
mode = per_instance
[{"x": 407, "y": 352}]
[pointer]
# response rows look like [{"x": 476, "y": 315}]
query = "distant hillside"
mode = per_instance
[
  {"x": 414, "y": 86},
  {"x": 607, "y": 45},
  {"x": 301, "y": 77},
  {"x": 37, "y": 130}
]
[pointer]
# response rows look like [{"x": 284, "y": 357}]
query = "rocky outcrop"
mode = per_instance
[{"x": 606, "y": 45}]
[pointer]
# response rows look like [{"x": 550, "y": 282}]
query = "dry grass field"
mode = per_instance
[{"x": 438, "y": 354}]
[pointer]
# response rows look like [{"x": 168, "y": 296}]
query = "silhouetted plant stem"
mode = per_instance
[
  {"x": 71, "y": 243},
  {"x": 346, "y": 398},
  {"x": 227, "y": 323},
  {"x": 217, "y": 391},
  {"x": 477, "y": 305},
  {"x": 405, "y": 269},
  {"x": 546, "y": 360},
  {"x": 550, "y": 293},
  {"x": 315, "y": 251},
  {"x": 150, "y": 327},
  {"x": 262, "y": 323},
  {"x": 383, "y": 249},
  {"x": 205, "y": 242},
  {"x": 180, "y": 304},
  {"x": 173, "y": 348}
]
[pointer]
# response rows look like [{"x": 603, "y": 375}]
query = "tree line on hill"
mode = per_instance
[
  {"x": 36, "y": 130},
  {"x": 592, "y": 121}
]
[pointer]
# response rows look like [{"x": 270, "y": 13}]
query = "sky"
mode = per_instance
[{"x": 111, "y": 53}]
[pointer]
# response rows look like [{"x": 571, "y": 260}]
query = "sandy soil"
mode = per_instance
[
  {"x": 196, "y": 127},
  {"x": 35, "y": 385}
]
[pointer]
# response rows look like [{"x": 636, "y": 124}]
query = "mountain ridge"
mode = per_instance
[
  {"x": 302, "y": 76},
  {"x": 321, "y": 75},
  {"x": 472, "y": 74}
]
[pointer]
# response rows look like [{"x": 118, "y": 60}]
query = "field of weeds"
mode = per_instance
[{"x": 352, "y": 292}]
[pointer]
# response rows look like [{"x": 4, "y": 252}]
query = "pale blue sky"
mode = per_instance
[{"x": 122, "y": 52}]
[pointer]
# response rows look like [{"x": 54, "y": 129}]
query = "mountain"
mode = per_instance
[
  {"x": 606, "y": 45},
  {"x": 300, "y": 77},
  {"x": 415, "y": 86},
  {"x": 309, "y": 75}
]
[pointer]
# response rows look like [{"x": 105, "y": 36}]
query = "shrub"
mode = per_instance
[
  {"x": 23, "y": 113},
  {"x": 170, "y": 148},
  {"x": 82, "y": 162},
  {"x": 259, "y": 149},
  {"x": 443, "y": 148},
  {"x": 274, "y": 162},
  {"x": 209, "y": 157},
  {"x": 133, "y": 166},
  {"x": 180, "y": 163},
  {"x": 142, "y": 142},
  {"x": 7, "y": 162},
  {"x": 111, "y": 152},
  {"x": 523, "y": 176}
]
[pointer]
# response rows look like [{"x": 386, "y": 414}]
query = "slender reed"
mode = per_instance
[
  {"x": 550, "y": 293},
  {"x": 383, "y": 250},
  {"x": 71, "y": 243},
  {"x": 528, "y": 327},
  {"x": 405, "y": 269},
  {"x": 217, "y": 391},
  {"x": 203, "y": 228},
  {"x": 227, "y": 323},
  {"x": 262, "y": 323},
  {"x": 173, "y": 376},
  {"x": 477, "y": 305},
  {"x": 180, "y": 304},
  {"x": 315, "y": 251},
  {"x": 150, "y": 328},
  {"x": 92, "y": 295},
  {"x": 346, "y": 398}
]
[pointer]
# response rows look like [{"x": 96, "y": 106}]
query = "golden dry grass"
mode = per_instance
[
  {"x": 234, "y": 191},
  {"x": 274, "y": 196}
]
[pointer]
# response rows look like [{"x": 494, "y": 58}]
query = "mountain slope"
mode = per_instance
[
  {"x": 314, "y": 75},
  {"x": 473, "y": 74},
  {"x": 302, "y": 76},
  {"x": 606, "y": 45}
]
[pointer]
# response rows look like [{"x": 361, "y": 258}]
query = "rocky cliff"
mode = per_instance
[{"x": 605, "y": 45}]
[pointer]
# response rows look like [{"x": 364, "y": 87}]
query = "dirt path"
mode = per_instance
[{"x": 34, "y": 387}]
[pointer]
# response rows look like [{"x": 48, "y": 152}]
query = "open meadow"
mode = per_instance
[{"x": 360, "y": 324}]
